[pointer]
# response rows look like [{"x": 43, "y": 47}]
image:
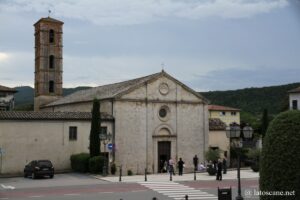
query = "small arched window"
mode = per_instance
[
  {"x": 51, "y": 36},
  {"x": 51, "y": 86},
  {"x": 51, "y": 62}
]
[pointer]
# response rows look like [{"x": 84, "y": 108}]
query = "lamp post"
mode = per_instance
[{"x": 234, "y": 132}]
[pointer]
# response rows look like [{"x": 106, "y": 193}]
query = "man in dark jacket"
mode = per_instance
[
  {"x": 180, "y": 166},
  {"x": 219, "y": 170},
  {"x": 195, "y": 161}
]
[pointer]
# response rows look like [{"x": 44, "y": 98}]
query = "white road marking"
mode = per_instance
[
  {"x": 73, "y": 194},
  {"x": 177, "y": 191},
  {"x": 8, "y": 187}
]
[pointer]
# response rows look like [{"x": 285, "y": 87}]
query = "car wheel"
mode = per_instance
[
  {"x": 52, "y": 175},
  {"x": 33, "y": 175}
]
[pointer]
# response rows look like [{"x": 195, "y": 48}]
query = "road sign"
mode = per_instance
[{"x": 110, "y": 146}]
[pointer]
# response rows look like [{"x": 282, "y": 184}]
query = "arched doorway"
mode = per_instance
[
  {"x": 164, "y": 146},
  {"x": 163, "y": 154}
]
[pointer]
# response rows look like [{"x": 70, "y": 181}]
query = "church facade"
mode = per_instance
[
  {"x": 155, "y": 118},
  {"x": 152, "y": 118}
]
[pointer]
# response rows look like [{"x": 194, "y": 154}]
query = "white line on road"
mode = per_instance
[
  {"x": 72, "y": 194},
  {"x": 7, "y": 187}
]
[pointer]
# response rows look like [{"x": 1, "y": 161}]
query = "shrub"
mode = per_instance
[
  {"x": 129, "y": 172},
  {"x": 80, "y": 162},
  {"x": 280, "y": 159},
  {"x": 212, "y": 155},
  {"x": 113, "y": 168},
  {"x": 96, "y": 164}
]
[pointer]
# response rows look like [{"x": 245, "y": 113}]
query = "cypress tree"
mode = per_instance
[
  {"x": 264, "y": 123},
  {"x": 95, "y": 129}
]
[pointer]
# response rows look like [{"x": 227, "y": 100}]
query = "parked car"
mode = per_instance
[{"x": 38, "y": 168}]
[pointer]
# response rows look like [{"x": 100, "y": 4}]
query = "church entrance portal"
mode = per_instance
[{"x": 164, "y": 154}]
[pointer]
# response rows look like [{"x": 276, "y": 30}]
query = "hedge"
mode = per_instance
[
  {"x": 80, "y": 162},
  {"x": 280, "y": 159},
  {"x": 96, "y": 164}
]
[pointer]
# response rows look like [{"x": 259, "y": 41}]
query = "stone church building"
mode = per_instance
[{"x": 150, "y": 119}]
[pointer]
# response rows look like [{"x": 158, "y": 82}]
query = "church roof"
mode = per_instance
[
  {"x": 113, "y": 90},
  {"x": 296, "y": 90},
  {"x": 31, "y": 115},
  {"x": 7, "y": 89},
  {"x": 216, "y": 124}
]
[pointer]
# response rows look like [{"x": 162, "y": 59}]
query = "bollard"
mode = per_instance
[
  {"x": 194, "y": 174},
  {"x": 145, "y": 174},
  {"x": 120, "y": 177},
  {"x": 154, "y": 198},
  {"x": 186, "y": 197},
  {"x": 171, "y": 176},
  {"x": 104, "y": 170}
]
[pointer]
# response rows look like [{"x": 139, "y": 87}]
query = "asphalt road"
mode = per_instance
[{"x": 84, "y": 187}]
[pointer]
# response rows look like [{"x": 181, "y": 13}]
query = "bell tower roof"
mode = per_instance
[{"x": 48, "y": 19}]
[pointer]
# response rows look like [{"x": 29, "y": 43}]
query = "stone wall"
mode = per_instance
[{"x": 24, "y": 141}]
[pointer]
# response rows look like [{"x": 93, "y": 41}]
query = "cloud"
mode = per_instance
[
  {"x": 129, "y": 12},
  {"x": 237, "y": 78}
]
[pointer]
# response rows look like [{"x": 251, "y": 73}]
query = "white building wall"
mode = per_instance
[
  {"x": 24, "y": 141},
  {"x": 294, "y": 96}
]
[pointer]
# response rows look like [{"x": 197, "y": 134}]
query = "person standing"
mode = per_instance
[
  {"x": 195, "y": 161},
  {"x": 224, "y": 166},
  {"x": 219, "y": 170},
  {"x": 171, "y": 166},
  {"x": 180, "y": 164}
]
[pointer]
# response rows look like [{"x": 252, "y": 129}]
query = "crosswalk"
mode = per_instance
[{"x": 178, "y": 191}]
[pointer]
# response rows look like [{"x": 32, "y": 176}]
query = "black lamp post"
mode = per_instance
[{"x": 234, "y": 132}]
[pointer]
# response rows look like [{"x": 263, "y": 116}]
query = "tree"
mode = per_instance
[
  {"x": 280, "y": 158},
  {"x": 95, "y": 129},
  {"x": 264, "y": 123}
]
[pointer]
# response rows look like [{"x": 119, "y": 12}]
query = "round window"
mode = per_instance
[{"x": 162, "y": 112}]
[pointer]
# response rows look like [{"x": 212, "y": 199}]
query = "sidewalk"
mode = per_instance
[{"x": 186, "y": 177}]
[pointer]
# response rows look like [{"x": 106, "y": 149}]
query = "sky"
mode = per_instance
[{"x": 206, "y": 44}]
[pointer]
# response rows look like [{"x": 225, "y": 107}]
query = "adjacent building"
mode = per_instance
[
  {"x": 7, "y": 100},
  {"x": 294, "y": 99},
  {"x": 226, "y": 114}
]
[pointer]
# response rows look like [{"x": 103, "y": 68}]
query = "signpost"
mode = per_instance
[{"x": 110, "y": 146}]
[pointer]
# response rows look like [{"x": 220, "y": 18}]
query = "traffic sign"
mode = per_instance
[{"x": 110, "y": 146}]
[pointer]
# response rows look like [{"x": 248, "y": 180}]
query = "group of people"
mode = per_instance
[
  {"x": 219, "y": 166},
  {"x": 169, "y": 166}
]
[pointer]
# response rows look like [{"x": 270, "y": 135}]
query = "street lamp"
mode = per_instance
[{"x": 234, "y": 132}]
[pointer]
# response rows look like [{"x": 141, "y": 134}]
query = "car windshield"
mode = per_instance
[{"x": 45, "y": 164}]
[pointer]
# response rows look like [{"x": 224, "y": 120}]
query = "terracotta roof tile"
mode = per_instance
[
  {"x": 31, "y": 115},
  {"x": 221, "y": 108},
  {"x": 7, "y": 89},
  {"x": 296, "y": 90}
]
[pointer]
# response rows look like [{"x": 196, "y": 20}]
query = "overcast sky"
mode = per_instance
[{"x": 206, "y": 44}]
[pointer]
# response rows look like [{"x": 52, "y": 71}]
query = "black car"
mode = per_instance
[{"x": 38, "y": 168}]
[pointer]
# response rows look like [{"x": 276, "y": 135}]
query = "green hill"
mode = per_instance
[{"x": 254, "y": 100}]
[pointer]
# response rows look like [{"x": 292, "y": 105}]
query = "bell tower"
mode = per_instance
[{"x": 48, "y": 61}]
